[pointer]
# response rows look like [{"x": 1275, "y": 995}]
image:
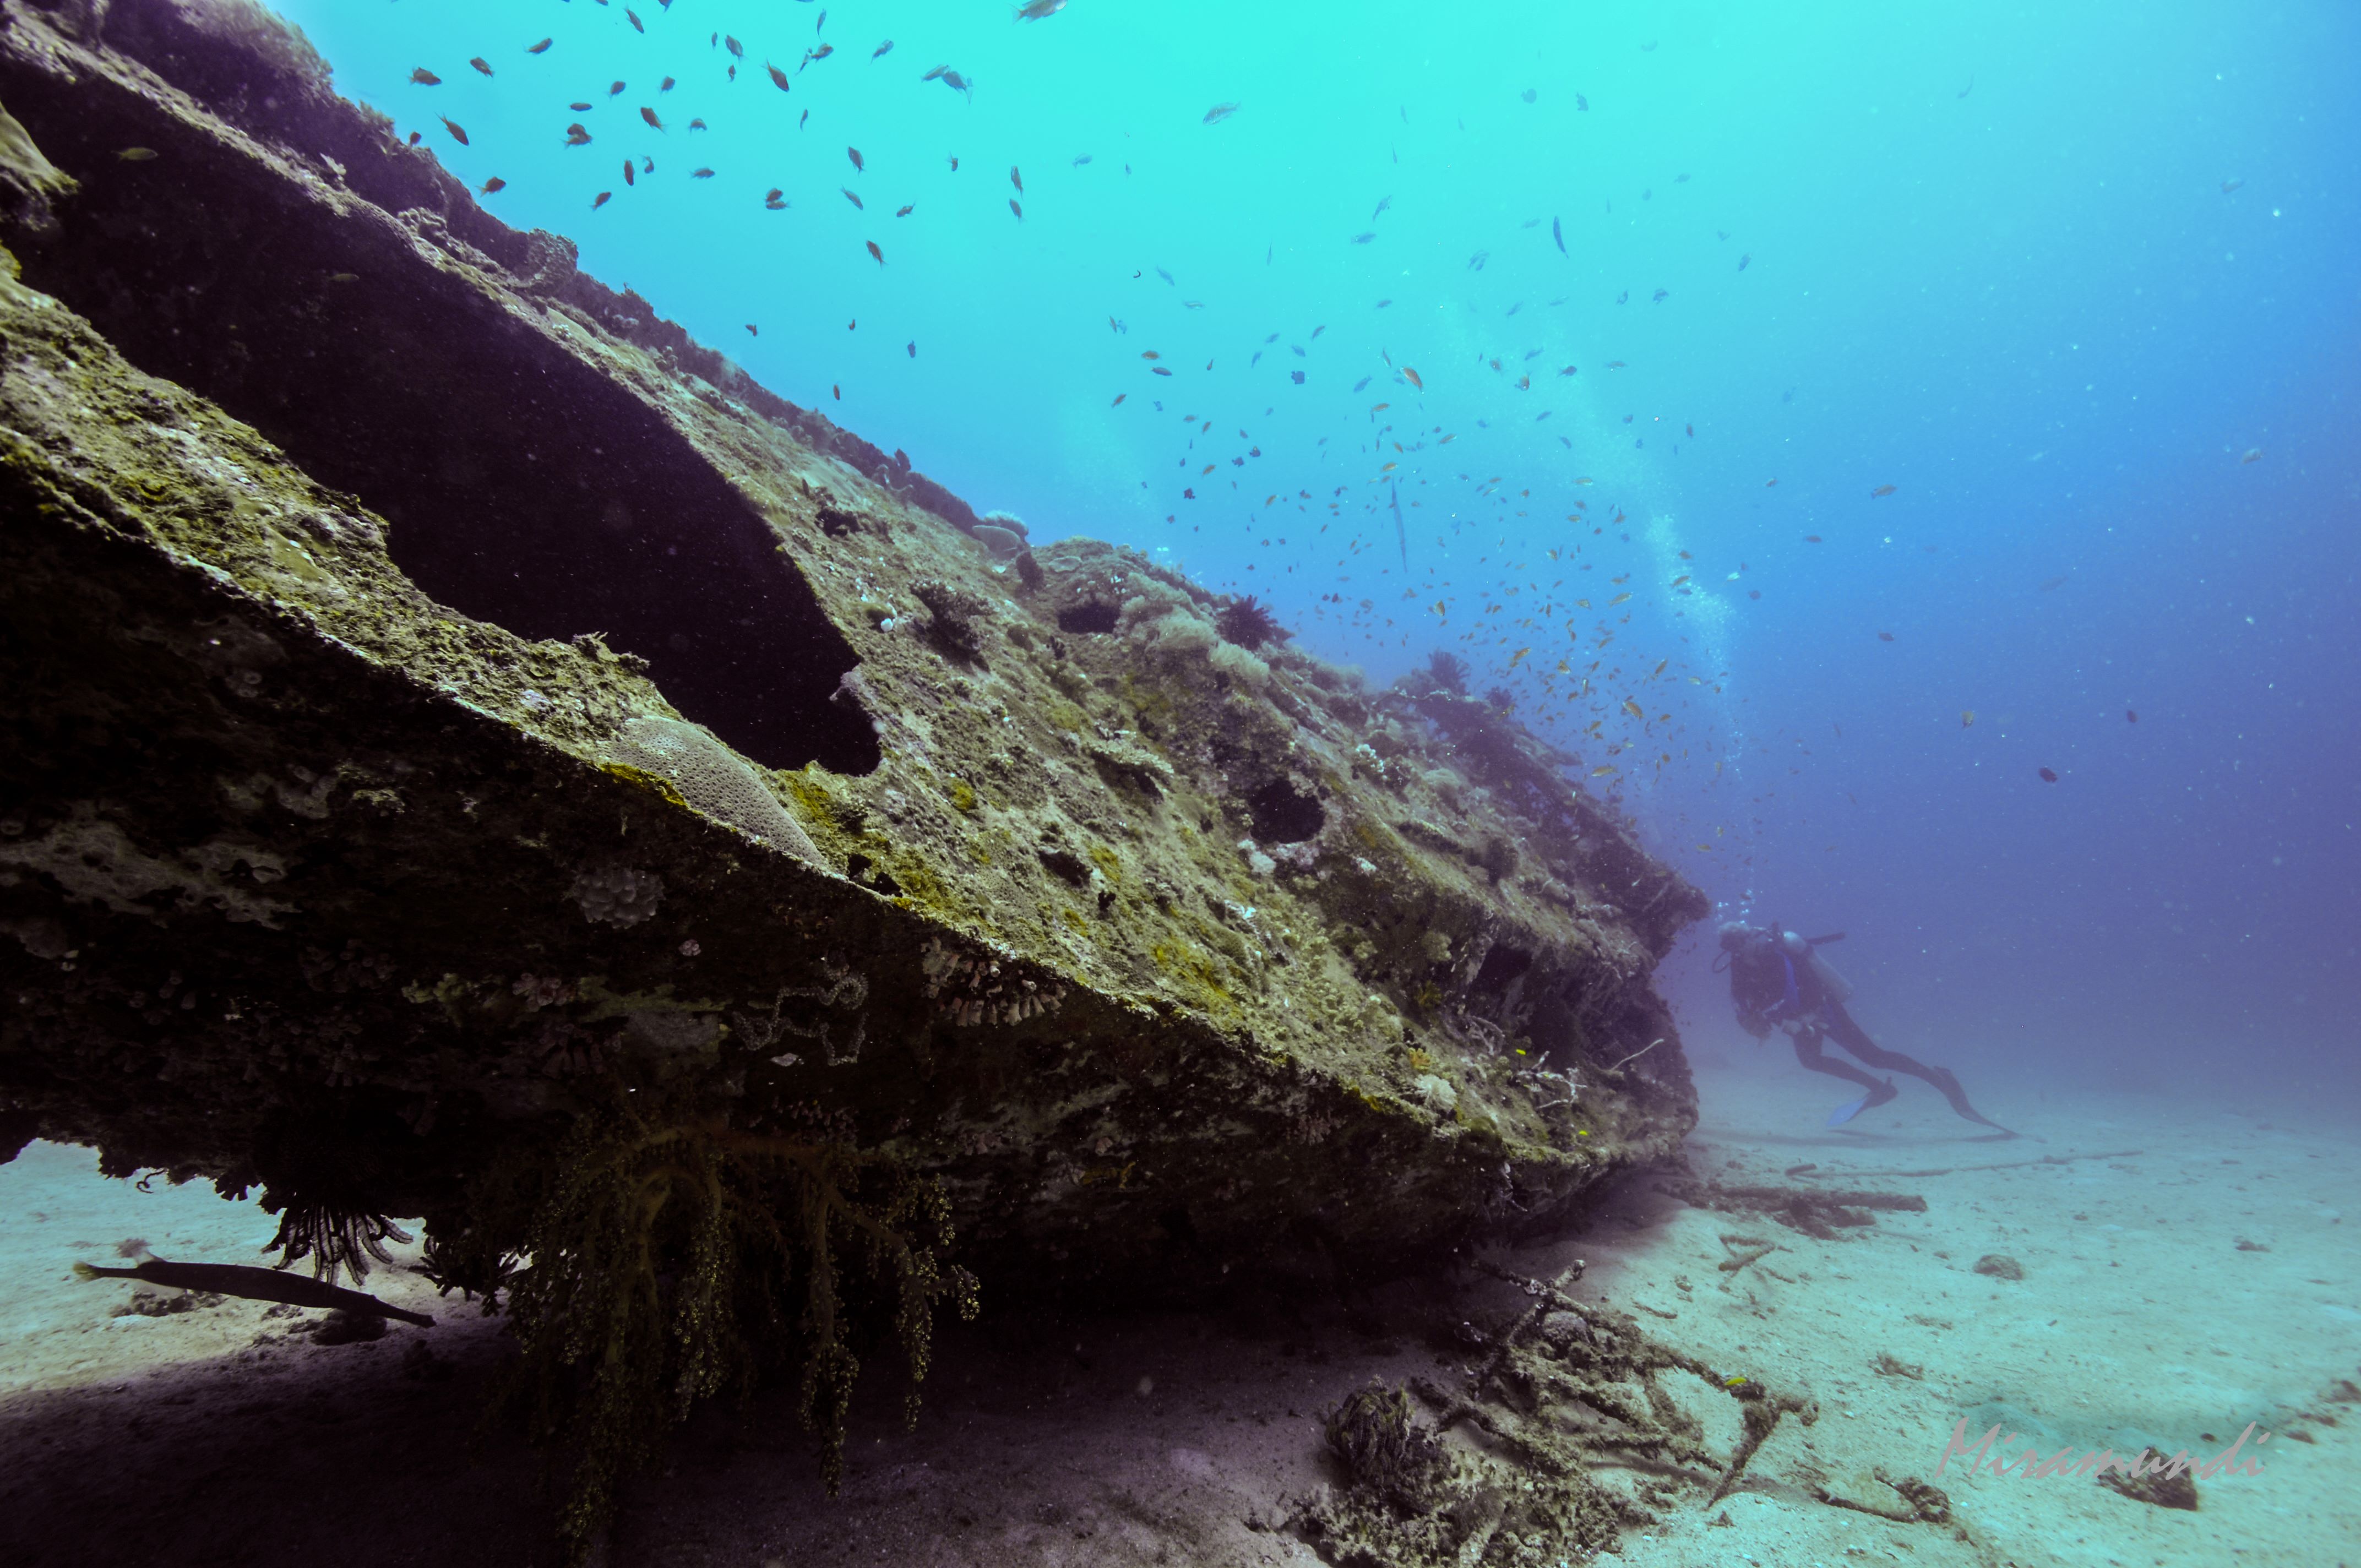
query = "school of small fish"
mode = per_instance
[{"x": 1531, "y": 588}]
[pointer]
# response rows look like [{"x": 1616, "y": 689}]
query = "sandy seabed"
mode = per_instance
[{"x": 2169, "y": 1297}]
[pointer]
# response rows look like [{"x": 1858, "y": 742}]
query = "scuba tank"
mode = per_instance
[{"x": 1805, "y": 950}]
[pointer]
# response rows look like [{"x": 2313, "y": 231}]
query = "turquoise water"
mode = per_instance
[{"x": 2079, "y": 285}]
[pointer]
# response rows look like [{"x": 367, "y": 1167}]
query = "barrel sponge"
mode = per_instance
[{"x": 712, "y": 778}]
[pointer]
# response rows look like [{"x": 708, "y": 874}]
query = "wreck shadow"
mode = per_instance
[{"x": 277, "y": 1458}]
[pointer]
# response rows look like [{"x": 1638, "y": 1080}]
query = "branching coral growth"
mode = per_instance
[
  {"x": 956, "y": 612},
  {"x": 666, "y": 1260},
  {"x": 1446, "y": 672}
]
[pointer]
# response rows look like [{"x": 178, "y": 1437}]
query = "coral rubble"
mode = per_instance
[{"x": 1563, "y": 1387}]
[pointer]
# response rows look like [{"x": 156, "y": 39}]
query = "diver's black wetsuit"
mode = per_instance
[{"x": 1773, "y": 987}]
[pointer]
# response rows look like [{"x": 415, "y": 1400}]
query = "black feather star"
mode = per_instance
[
  {"x": 1249, "y": 624},
  {"x": 336, "y": 1240}
]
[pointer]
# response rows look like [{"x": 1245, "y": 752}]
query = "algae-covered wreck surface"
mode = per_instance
[{"x": 446, "y": 701}]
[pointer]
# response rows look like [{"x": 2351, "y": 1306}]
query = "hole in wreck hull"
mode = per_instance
[
  {"x": 1281, "y": 814},
  {"x": 1501, "y": 966},
  {"x": 523, "y": 487},
  {"x": 1089, "y": 619}
]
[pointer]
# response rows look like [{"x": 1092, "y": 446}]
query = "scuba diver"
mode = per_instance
[{"x": 1777, "y": 980}]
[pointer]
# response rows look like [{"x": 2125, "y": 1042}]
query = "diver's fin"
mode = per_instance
[
  {"x": 1879, "y": 1094},
  {"x": 1996, "y": 1126},
  {"x": 1945, "y": 1080}
]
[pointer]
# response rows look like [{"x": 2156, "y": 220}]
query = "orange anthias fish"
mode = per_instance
[
  {"x": 1883, "y": 490},
  {"x": 1411, "y": 376}
]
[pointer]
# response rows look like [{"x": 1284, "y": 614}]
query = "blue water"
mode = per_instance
[{"x": 2081, "y": 286}]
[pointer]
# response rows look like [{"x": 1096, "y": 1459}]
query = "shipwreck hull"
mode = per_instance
[{"x": 439, "y": 691}]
